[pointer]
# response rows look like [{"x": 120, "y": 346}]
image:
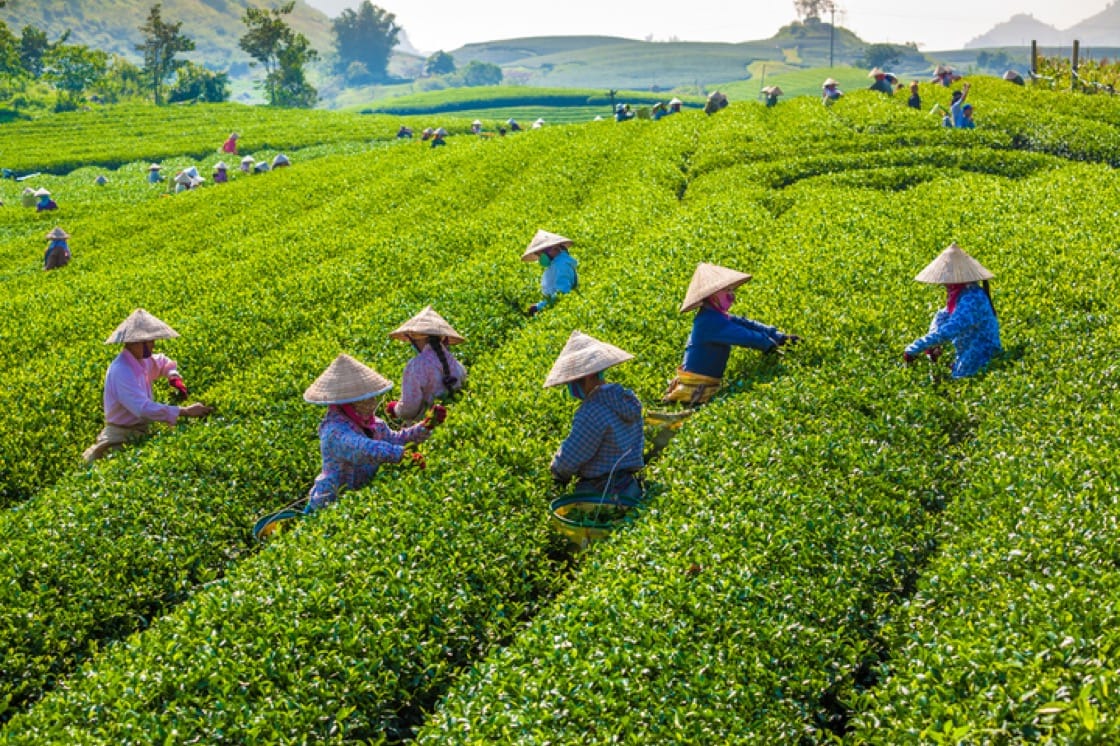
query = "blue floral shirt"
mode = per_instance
[
  {"x": 351, "y": 457},
  {"x": 972, "y": 329}
]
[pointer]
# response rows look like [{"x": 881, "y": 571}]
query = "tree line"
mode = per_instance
[{"x": 364, "y": 41}]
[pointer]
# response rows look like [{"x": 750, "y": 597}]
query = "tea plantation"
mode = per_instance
[{"x": 837, "y": 549}]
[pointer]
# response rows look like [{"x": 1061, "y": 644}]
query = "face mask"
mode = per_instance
[
  {"x": 148, "y": 347},
  {"x": 544, "y": 260},
  {"x": 575, "y": 391}
]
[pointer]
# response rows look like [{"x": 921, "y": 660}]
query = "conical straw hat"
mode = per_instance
[
  {"x": 875, "y": 71},
  {"x": 584, "y": 355},
  {"x": 58, "y": 233},
  {"x": 346, "y": 381},
  {"x": 155, "y": 167},
  {"x": 140, "y": 326},
  {"x": 709, "y": 279},
  {"x": 953, "y": 266},
  {"x": 41, "y": 192},
  {"x": 773, "y": 90},
  {"x": 427, "y": 323},
  {"x": 541, "y": 241},
  {"x": 830, "y": 81},
  {"x": 221, "y": 166}
]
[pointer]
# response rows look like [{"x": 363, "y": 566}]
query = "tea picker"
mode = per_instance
[
  {"x": 353, "y": 441},
  {"x": 603, "y": 451},
  {"x": 550, "y": 250},
  {"x": 433, "y": 373}
]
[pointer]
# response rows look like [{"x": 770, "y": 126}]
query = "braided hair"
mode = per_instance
[{"x": 437, "y": 343}]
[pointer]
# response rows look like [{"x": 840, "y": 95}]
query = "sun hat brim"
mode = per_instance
[
  {"x": 953, "y": 266},
  {"x": 583, "y": 355},
  {"x": 709, "y": 279},
  {"x": 427, "y": 323},
  {"x": 542, "y": 241},
  {"x": 346, "y": 381},
  {"x": 140, "y": 326}
]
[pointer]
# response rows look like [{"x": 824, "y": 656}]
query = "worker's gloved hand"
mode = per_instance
[
  {"x": 180, "y": 387},
  {"x": 933, "y": 353},
  {"x": 391, "y": 409},
  {"x": 532, "y": 310},
  {"x": 436, "y": 415},
  {"x": 907, "y": 358}
]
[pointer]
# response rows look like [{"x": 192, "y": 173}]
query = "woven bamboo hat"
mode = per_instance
[
  {"x": 875, "y": 71},
  {"x": 427, "y": 323},
  {"x": 584, "y": 355},
  {"x": 140, "y": 326},
  {"x": 953, "y": 266},
  {"x": 221, "y": 166},
  {"x": 709, "y": 279},
  {"x": 830, "y": 81},
  {"x": 40, "y": 192},
  {"x": 154, "y": 167},
  {"x": 346, "y": 381},
  {"x": 773, "y": 90},
  {"x": 58, "y": 233},
  {"x": 544, "y": 240}
]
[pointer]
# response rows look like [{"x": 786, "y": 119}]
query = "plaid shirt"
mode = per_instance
[{"x": 606, "y": 434}]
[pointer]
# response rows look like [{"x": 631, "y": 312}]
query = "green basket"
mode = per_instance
[{"x": 587, "y": 518}]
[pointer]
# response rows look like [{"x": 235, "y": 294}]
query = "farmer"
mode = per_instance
[
  {"x": 45, "y": 202},
  {"x": 476, "y": 127},
  {"x": 604, "y": 448},
  {"x": 966, "y": 118},
  {"x": 772, "y": 92},
  {"x": 513, "y": 125},
  {"x": 434, "y": 372},
  {"x": 154, "y": 175},
  {"x": 353, "y": 442},
  {"x": 956, "y": 108},
  {"x": 404, "y": 133},
  {"x": 101, "y": 180},
  {"x": 1012, "y": 76},
  {"x": 716, "y": 101},
  {"x": 437, "y": 137},
  {"x": 280, "y": 161},
  {"x": 915, "y": 100},
  {"x": 550, "y": 250},
  {"x": 261, "y": 167},
  {"x": 830, "y": 91},
  {"x": 945, "y": 75},
  {"x": 58, "y": 251},
  {"x": 230, "y": 145},
  {"x": 714, "y": 331},
  {"x": 27, "y": 197},
  {"x": 675, "y": 105},
  {"x": 247, "y": 164},
  {"x": 538, "y": 123},
  {"x": 129, "y": 408},
  {"x": 221, "y": 172},
  {"x": 187, "y": 179},
  {"x": 968, "y": 320},
  {"x": 882, "y": 81}
]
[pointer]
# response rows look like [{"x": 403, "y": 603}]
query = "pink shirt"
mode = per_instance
[
  {"x": 128, "y": 390},
  {"x": 422, "y": 382}
]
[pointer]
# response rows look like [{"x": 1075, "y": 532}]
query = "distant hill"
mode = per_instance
[
  {"x": 1103, "y": 29},
  {"x": 614, "y": 62},
  {"x": 1019, "y": 30},
  {"x": 113, "y": 25}
]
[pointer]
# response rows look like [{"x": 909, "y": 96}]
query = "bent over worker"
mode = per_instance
[
  {"x": 550, "y": 250},
  {"x": 714, "y": 332},
  {"x": 968, "y": 320},
  {"x": 604, "y": 448},
  {"x": 353, "y": 441},
  {"x": 129, "y": 408}
]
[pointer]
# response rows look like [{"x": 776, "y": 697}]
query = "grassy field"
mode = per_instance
[{"x": 838, "y": 549}]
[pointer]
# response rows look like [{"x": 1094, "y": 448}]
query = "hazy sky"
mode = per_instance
[{"x": 447, "y": 24}]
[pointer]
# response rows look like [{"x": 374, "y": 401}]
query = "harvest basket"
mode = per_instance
[
  {"x": 276, "y": 523},
  {"x": 588, "y": 517}
]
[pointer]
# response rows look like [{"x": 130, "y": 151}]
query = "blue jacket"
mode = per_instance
[
  {"x": 558, "y": 278},
  {"x": 713, "y": 334},
  {"x": 972, "y": 329}
]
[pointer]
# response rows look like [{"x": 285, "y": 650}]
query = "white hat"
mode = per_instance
[
  {"x": 221, "y": 166},
  {"x": 40, "y": 192},
  {"x": 830, "y": 81},
  {"x": 511, "y": 120},
  {"x": 773, "y": 90},
  {"x": 477, "y": 121},
  {"x": 709, "y": 279},
  {"x": 346, "y": 381},
  {"x": 875, "y": 71},
  {"x": 154, "y": 167},
  {"x": 140, "y": 326},
  {"x": 441, "y": 132},
  {"x": 247, "y": 159},
  {"x": 953, "y": 266},
  {"x": 101, "y": 179},
  {"x": 675, "y": 102},
  {"x": 281, "y": 160},
  {"x": 584, "y": 355},
  {"x": 427, "y": 323},
  {"x": 543, "y": 240}
]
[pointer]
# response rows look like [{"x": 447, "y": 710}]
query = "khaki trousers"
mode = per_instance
[{"x": 113, "y": 437}]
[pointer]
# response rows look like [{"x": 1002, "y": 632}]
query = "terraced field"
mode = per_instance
[{"x": 837, "y": 549}]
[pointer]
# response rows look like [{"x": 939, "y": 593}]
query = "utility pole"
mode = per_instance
[{"x": 831, "y": 31}]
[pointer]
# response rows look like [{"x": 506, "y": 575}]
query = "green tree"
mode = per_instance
[
  {"x": 440, "y": 63},
  {"x": 72, "y": 70},
  {"x": 33, "y": 45},
  {"x": 813, "y": 9},
  {"x": 880, "y": 55},
  {"x": 479, "y": 73},
  {"x": 197, "y": 83},
  {"x": 366, "y": 36},
  {"x": 122, "y": 80},
  {"x": 9, "y": 53},
  {"x": 162, "y": 41},
  {"x": 283, "y": 52}
]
